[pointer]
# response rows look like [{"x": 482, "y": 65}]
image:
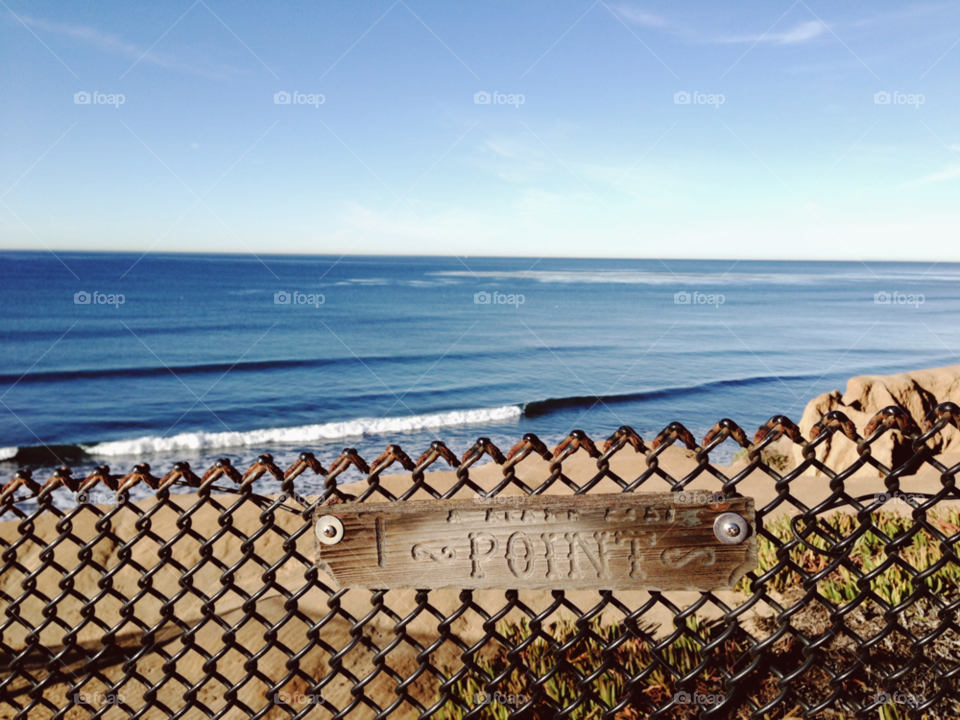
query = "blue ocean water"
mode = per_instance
[{"x": 203, "y": 359}]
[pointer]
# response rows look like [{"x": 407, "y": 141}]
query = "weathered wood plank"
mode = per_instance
[{"x": 645, "y": 541}]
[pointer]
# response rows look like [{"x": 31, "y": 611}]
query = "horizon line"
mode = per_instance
[{"x": 334, "y": 255}]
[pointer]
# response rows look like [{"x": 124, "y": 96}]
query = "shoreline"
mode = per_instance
[{"x": 166, "y": 524}]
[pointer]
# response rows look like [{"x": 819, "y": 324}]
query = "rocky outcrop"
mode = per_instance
[{"x": 916, "y": 393}]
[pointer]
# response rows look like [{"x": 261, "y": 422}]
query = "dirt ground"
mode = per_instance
[{"x": 218, "y": 587}]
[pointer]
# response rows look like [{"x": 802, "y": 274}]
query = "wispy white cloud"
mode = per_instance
[
  {"x": 900, "y": 14},
  {"x": 801, "y": 33},
  {"x": 116, "y": 45},
  {"x": 638, "y": 16},
  {"x": 804, "y": 32},
  {"x": 512, "y": 160},
  {"x": 951, "y": 173}
]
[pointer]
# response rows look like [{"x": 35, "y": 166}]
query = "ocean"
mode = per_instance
[{"x": 117, "y": 358}]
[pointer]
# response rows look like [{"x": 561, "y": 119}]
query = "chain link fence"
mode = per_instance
[{"x": 209, "y": 605}]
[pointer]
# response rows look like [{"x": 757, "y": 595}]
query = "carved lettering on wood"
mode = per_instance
[{"x": 629, "y": 541}]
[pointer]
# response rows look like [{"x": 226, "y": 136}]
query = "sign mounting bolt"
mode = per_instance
[
  {"x": 731, "y": 529},
  {"x": 329, "y": 530}
]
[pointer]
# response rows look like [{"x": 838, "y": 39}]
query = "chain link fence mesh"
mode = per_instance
[{"x": 208, "y": 604}]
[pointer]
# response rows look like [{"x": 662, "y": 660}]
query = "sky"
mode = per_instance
[{"x": 779, "y": 130}]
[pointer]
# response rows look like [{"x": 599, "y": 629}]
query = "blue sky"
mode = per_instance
[{"x": 798, "y": 161}]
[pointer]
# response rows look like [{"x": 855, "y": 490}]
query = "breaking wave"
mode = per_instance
[{"x": 300, "y": 435}]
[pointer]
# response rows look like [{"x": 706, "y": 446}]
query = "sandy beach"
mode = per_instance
[
  {"x": 256, "y": 259},
  {"x": 211, "y": 618}
]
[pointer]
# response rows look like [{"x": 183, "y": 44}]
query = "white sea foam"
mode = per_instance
[
  {"x": 637, "y": 277},
  {"x": 301, "y": 435},
  {"x": 629, "y": 277},
  {"x": 8, "y": 453}
]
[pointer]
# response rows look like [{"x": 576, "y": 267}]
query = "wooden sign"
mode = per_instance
[{"x": 642, "y": 541}]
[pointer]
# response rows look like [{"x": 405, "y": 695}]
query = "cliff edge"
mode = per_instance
[{"x": 915, "y": 392}]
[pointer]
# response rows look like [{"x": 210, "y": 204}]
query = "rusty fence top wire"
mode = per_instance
[{"x": 210, "y": 605}]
